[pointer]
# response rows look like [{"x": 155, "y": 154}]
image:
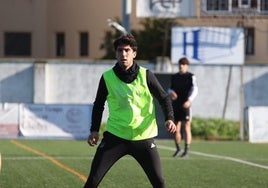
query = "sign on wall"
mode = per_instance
[
  {"x": 66, "y": 121},
  {"x": 208, "y": 45},
  {"x": 165, "y": 8}
]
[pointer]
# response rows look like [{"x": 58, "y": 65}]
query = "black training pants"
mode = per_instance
[{"x": 113, "y": 148}]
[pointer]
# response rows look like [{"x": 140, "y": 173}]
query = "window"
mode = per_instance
[
  {"x": 223, "y": 4},
  {"x": 217, "y": 4},
  {"x": 244, "y": 3},
  {"x": 235, "y": 3},
  {"x": 264, "y": 5},
  {"x": 17, "y": 44},
  {"x": 60, "y": 44},
  {"x": 254, "y": 3},
  {"x": 84, "y": 44},
  {"x": 249, "y": 41}
]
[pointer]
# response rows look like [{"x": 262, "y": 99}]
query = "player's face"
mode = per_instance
[
  {"x": 183, "y": 68},
  {"x": 125, "y": 56}
]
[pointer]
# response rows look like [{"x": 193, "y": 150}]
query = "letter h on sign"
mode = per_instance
[{"x": 194, "y": 43}]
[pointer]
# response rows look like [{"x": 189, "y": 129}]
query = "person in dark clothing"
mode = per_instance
[
  {"x": 183, "y": 91},
  {"x": 131, "y": 127}
]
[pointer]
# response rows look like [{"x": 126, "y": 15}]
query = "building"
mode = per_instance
[
  {"x": 54, "y": 28},
  {"x": 75, "y": 29},
  {"x": 249, "y": 14}
]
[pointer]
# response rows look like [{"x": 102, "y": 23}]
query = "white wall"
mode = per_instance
[{"x": 76, "y": 83}]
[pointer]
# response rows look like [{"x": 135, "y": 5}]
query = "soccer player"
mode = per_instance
[
  {"x": 183, "y": 91},
  {"x": 131, "y": 127}
]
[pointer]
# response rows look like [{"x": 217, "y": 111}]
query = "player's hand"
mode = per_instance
[
  {"x": 187, "y": 104},
  {"x": 93, "y": 138},
  {"x": 170, "y": 126},
  {"x": 173, "y": 95}
]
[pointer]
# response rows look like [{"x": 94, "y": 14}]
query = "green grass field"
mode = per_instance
[{"x": 66, "y": 163}]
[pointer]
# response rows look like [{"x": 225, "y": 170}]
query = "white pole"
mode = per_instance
[
  {"x": 242, "y": 103},
  {"x": 0, "y": 162}
]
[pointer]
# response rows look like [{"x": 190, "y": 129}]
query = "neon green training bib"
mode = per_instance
[{"x": 131, "y": 107}]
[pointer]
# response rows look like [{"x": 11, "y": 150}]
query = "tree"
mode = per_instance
[{"x": 153, "y": 40}]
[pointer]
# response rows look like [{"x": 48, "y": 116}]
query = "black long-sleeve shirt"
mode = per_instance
[
  {"x": 128, "y": 76},
  {"x": 185, "y": 86}
]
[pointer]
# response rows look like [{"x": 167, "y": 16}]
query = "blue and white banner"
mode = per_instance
[
  {"x": 208, "y": 45},
  {"x": 165, "y": 8},
  {"x": 52, "y": 120}
]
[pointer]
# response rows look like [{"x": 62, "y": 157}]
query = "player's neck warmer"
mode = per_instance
[{"x": 131, "y": 107}]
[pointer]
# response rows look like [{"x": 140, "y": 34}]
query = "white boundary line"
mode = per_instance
[
  {"x": 219, "y": 157},
  {"x": 160, "y": 147}
]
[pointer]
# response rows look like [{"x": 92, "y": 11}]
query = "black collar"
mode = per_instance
[{"x": 126, "y": 75}]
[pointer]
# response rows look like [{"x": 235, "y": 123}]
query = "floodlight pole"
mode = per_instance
[
  {"x": 117, "y": 26},
  {"x": 126, "y": 11}
]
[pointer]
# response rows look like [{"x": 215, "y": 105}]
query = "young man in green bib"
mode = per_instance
[{"x": 131, "y": 126}]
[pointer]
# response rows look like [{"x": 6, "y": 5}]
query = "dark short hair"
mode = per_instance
[
  {"x": 184, "y": 61},
  {"x": 126, "y": 40}
]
